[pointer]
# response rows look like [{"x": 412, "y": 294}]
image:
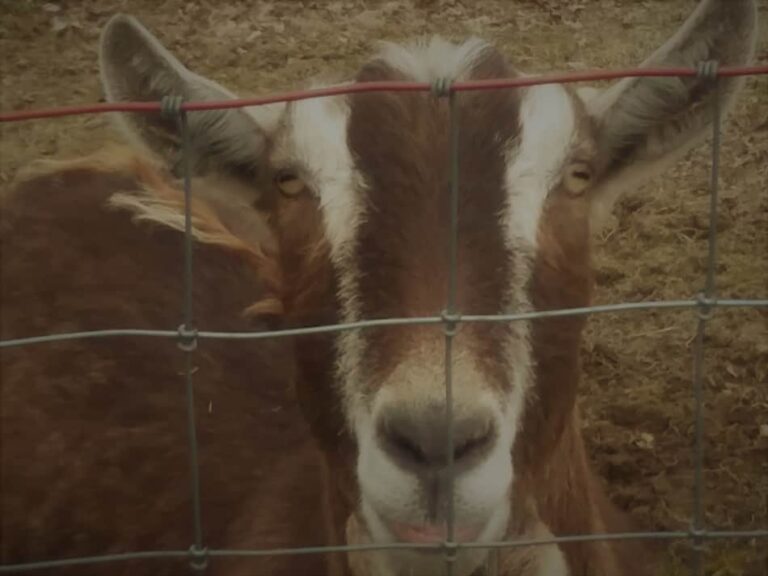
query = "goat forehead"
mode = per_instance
[
  {"x": 428, "y": 60},
  {"x": 369, "y": 154},
  {"x": 316, "y": 138},
  {"x": 401, "y": 143}
]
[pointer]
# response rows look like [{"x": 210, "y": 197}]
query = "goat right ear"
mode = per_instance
[
  {"x": 136, "y": 67},
  {"x": 643, "y": 124}
]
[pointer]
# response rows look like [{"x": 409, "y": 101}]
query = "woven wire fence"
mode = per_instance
[{"x": 187, "y": 334}]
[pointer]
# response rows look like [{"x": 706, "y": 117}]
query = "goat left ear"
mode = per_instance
[
  {"x": 643, "y": 123},
  {"x": 135, "y": 66}
]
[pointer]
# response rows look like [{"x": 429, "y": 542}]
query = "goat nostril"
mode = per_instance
[
  {"x": 421, "y": 440},
  {"x": 407, "y": 448},
  {"x": 471, "y": 446}
]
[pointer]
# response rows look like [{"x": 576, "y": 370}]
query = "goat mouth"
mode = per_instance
[{"x": 430, "y": 533}]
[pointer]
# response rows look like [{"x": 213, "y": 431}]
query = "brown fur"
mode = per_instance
[{"x": 94, "y": 454}]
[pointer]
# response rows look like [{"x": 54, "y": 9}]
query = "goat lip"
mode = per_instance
[{"x": 430, "y": 533}]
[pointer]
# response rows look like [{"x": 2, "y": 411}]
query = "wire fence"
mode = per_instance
[{"x": 188, "y": 335}]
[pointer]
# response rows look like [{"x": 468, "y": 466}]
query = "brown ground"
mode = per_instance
[{"x": 637, "y": 375}]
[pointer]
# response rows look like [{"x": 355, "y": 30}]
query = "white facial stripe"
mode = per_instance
[
  {"x": 547, "y": 125},
  {"x": 318, "y": 131},
  {"x": 318, "y": 142}
]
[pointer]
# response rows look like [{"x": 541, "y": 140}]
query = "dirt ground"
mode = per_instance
[{"x": 637, "y": 392}]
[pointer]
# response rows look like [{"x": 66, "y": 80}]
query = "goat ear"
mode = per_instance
[
  {"x": 644, "y": 123},
  {"x": 136, "y": 67}
]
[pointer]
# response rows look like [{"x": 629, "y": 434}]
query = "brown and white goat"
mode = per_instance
[{"x": 355, "y": 190}]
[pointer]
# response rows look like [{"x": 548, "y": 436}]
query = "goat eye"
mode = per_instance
[
  {"x": 577, "y": 179},
  {"x": 289, "y": 184}
]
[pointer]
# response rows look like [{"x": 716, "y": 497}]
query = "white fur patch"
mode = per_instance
[
  {"x": 547, "y": 124},
  {"x": 316, "y": 140},
  {"x": 428, "y": 60},
  {"x": 390, "y": 493},
  {"x": 548, "y": 127}
]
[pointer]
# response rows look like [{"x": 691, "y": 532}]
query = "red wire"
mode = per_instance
[{"x": 519, "y": 82}]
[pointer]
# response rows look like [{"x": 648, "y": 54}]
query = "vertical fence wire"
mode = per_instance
[
  {"x": 188, "y": 343},
  {"x": 708, "y": 71},
  {"x": 450, "y": 315}
]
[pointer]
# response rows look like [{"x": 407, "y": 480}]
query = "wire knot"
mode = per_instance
[
  {"x": 707, "y": 70},
  {"x": 442, "y": 87},
  {"x": 450, "y": 322},
  {"x": 697, "y": 536},
  {"x": 170, "y": 106},
  {"x": 187, "y": 338},
  {"x": 198, "y": 558},
  {"x": 450, "y": 550},
  {"x": 706, "y": 306}
]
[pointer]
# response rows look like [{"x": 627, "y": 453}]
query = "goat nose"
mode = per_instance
[{"x": 419, "y": 438}]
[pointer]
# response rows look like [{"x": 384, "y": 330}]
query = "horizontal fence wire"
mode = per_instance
[
  {"x": 384, "y": 322},
  {"x": 187, "y": 335},
  {"x": 352, "y": 548},
  {"x": 472, "y": 85}
]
